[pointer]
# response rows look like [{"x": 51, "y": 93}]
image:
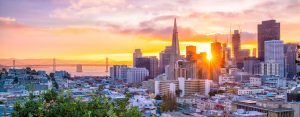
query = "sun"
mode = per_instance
[{"x": 209, "y": 57}]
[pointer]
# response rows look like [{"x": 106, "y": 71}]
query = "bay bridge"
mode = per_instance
[{"x": 16, "y": 64}]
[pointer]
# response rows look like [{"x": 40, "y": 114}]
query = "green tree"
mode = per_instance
[
  {"x": 53, "y": 104},
  {"x": 169, "y": 103}
]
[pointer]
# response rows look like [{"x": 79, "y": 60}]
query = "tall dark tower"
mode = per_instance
[
  {"x": 175, "y": 53},
  {"x": 236, "y": 46},
  {"x": 268, "y": 30}
]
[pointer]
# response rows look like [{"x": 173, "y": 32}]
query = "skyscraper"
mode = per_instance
[
  {"x": 291, "y": 52},
  {"x": 136, "y": 54},
  {"x": 118, "y": 72},
  {"x": 216, "y": 51},
  {"x": 274, "y": 53},
  {"x": 268, "y": 30},
  {"x": 191, "y": 53},
  {"x": 164, "y": 59},
  {"x": 150, "y": 63},
  {"x": 226, "y": 55},
  {"x": 236, "y": 46},
  {"x": 175, "y": 53}
]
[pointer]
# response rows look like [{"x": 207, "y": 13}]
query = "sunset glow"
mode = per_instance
[{"x": 91, "y": 30}]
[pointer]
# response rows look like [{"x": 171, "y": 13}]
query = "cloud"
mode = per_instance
[{"x": 10, "y": 23}]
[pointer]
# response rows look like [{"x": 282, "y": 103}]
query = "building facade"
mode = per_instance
[
  {"x": 267, "y": 30},
  {"x": 236, "y": 46},
  {"x": 274, "y": 53},
  {"x": 291, "y": 54},
  {"x": 136, "y": 54},
  {"x": 118, "y": 72},
  {"x": 186, "y": 87},
  {"x": 150, "y": 63},
  {"x": 136, "y": 75},
  {"x": 249, "y": 64}
]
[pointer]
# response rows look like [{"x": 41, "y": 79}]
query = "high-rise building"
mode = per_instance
[
  {"x": 226, "y": 55},
  {"x": 254, "y": 52},
  {"x": 118, "y": 72},
  {"x": 249, "y": 65},
  {"x": 236, "y": 46},
  {"x": 274, "y": 53},
  {"x": 136, "y": 54},
  {"x": 175, "y": 53},
  {"x": 215, "y": 63},
  {"x": 136, "y": 75},
  {"x": 291, "y": 53},
  {"x": 150, "y": 63},
  {"x": 164, "y": 59},
  {"x": 268, "y": 30},
  {"x": 203, "y": 67},
  {"x": 244, "y": 53},
  {"x": 191, "y": 53}
]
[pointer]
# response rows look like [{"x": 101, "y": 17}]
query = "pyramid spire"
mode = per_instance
[{"x": 175, "y": 42}]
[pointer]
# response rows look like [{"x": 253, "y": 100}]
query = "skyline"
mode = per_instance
[{"x": 86, "y": 30}]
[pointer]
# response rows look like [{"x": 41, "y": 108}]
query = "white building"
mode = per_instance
[
  {"x": 118, "y": 72},
  {"x": 267, "y": 69},
  {"x": 136, "y": 75},
  {"x": 255, "y": 81},
  {"x": 249, "y": 91},
  {"x": 226, "y": 79},
  {"x": 187, "y": 87},
  {"x": 274, "y": 53}
]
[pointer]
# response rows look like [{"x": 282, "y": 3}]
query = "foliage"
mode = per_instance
[
  {"x": 214, "y": 92},
  {"x": 178, "y": 92},
  {"x": 54, "y": 83},
  {"x": 52, "y": 104},
  {"x": 157, "y": 97},
  {"x": 169, "y": 103}
]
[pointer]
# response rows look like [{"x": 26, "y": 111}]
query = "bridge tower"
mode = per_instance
[
  {"x": 54, "y": 65},
  {"x": 14, "y": 64}
]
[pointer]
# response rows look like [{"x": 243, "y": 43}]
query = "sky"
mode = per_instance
[{"x": 90, "y": 30}]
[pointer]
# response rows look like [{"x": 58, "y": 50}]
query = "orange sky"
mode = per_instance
[{"x": 90, "y": 30}]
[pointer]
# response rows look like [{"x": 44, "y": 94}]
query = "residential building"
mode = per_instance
[
  {"x": 187, "y": 87},
  {"x": 255, "y": 81}
]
